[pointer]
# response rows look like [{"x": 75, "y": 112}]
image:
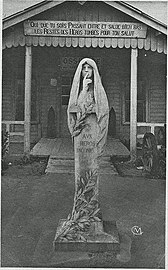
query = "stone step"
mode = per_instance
[
  {"x": 57, "y": 165},
  {"x": 61, "y": 162},
  {"x": 60, "y": 166}
]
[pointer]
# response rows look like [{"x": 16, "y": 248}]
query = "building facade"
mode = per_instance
[{"x": 42, "y": 47}]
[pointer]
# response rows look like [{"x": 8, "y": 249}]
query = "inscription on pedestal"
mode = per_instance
[{"x": 86, "y": 144}]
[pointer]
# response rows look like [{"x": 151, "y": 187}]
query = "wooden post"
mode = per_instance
[
  {"x": 133, "y": 105},
  {"x": 27, "y": 115}
]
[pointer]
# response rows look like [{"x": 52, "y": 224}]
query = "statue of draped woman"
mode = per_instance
[{"x": 88, "y": 115}]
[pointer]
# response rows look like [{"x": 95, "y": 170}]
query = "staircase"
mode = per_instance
[
  {"x": 62, "y": 165},
  {"x": 61, "y": 154}
]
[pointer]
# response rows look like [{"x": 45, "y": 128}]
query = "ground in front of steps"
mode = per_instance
[{"x": 33, "y": 203}]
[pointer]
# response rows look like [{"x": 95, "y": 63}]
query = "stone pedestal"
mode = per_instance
[
  {"x": 96, "y": 239},
  {"x": 83, "y": 230}
]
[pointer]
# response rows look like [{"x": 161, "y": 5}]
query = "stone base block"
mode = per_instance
[{"x": 102, "y": 237}]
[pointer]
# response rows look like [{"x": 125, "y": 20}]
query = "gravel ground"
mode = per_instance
[{"x": 33, "y": 203}]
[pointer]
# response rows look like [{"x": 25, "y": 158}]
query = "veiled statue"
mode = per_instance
[{"x": 88, "y": 115}]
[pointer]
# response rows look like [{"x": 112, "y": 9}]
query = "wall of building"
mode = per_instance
[
  {"x": 157, "y": 89},
  {"x": 10, "y": 62},
  {"x": 13, "y": 72},
  {"x": 114, "y": 68},
  {"x": 115, "y": 73},
  {"x": 49, "y": 67},
  {"x": 152, "y": 71}
]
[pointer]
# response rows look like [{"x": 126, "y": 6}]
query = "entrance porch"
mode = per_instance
[
  {"x": 61, "y": 154},
  {"x": 63, "y": 148}
]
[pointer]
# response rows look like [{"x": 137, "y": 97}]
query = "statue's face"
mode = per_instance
[{"x": 87, "y": 69}]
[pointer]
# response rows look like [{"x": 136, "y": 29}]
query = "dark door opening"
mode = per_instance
[{"x": 51, "y": 127}]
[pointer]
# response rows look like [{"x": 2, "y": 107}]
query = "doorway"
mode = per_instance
[{"x": 51, "y": 127}]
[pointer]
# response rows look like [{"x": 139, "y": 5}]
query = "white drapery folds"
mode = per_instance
[{"x": 101, "y": 102}]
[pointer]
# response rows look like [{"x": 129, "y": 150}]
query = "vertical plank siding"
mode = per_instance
[
  {"x": 35, "y": 41},
  {"x": 68, "y": 42},
  {"x": 7, "y": 100},
  {"x": 48, "y": 68},
  {"x": 157, "y": 103},
  {"x": 114, "y": 71},
  {"x": 107, "y": 42},
  {"x": 75, "y": 41},
  {"x": 9, "y": 67},
  {"x": 158, "y": 89},
  {"x": 8, "y": 37},
  {"x": 157, "y": 106},
  {"x": 153, "y": 42},
  {"x": 147, "y": 42},
  {"x": 81, "y": 42},
  {"x": 13, "y": 69},
  {"x": 165, "y": 45},
  {"x": 127, "y": 43},
  {"x": 160, "y": 44},
  {"x": 140, "y": 43},
  {"x": 134, "y": 43},
  {"x": 55, "y": 41},
  {"x": 121, "y": 42},
  {"x": 114, "y": 42}
]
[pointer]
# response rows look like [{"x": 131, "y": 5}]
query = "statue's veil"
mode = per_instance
[{"x": 101, "y": 102}]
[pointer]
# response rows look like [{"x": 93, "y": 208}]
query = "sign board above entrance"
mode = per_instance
[{"x": 85, "y": 29}]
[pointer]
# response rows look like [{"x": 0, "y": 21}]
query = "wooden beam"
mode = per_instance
[
  {"x": 133, "y": 105},
  {"x": 45, "y": 5},
  {"x": 29, "y": 12},
  {"x": 138, "y": 15},
  {"x": 27, "y": 116}
]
